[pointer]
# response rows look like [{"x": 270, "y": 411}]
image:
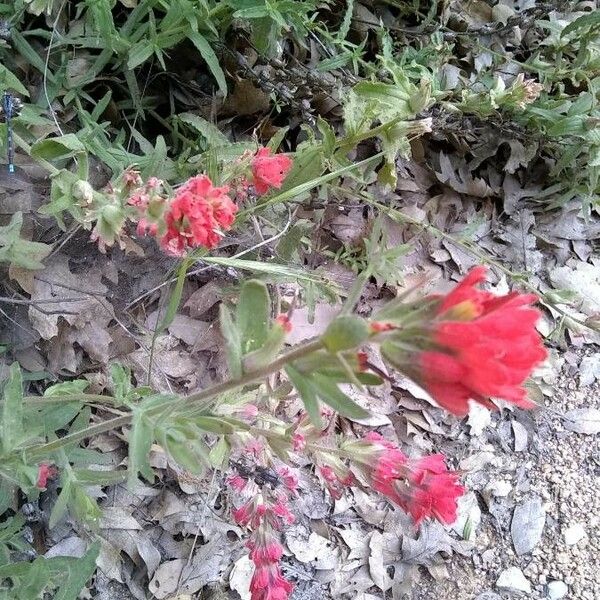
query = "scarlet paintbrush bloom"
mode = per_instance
[
  {"x": 267, "y": 583},
  {"x": 483, "y": 345},
  {"x": 269, "y": 171},
  {"x": 197, "y": 216},
  {"x": 422, "y": 487}
]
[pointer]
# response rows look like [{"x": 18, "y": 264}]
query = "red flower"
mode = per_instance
[
  {"x": 267, "y": 583},
  {"x": 422, "y": 487},
  {"x": 45, "y": 472},
  {"x": 269, "y": 171},
  {"x": 265, "y": 550},
  {"x": 237, "y": 482},
  {"x": 290, "y": 478},
  {"x": 485, "y": 345},
  {"x": 196, "y": 216}
]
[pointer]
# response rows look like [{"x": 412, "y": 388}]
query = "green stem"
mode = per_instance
[
  {"x": 19, "y": 141},
  {"x": 199, "y": 399},
  {"x": 83, "y": 398}
]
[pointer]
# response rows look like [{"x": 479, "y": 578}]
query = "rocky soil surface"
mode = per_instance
[{"x": 539, "y": 535}]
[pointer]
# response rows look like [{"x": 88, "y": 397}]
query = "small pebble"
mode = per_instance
[{"x": 557, "y": 590}]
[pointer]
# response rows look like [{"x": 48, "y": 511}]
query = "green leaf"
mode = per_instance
[
  {"x": 78, "y": 572},
  {"x": 140, "y": 440},
  {"x": 175, "y": 298},
  {"x": 331, "y": 394},
  {"x": 591, "y": 19},
  {"x": 121, "y": 381},
  {"x": 214, "y": 425},
  {"x": 210, "y": 132},
  {"x": 76, "y": 386},
  {"x": 219, "y": 453},
  {"x": 209, "y": 56},
  {"x": 268, "y": 351},
  {"x": 233, "y": 342},
  {"x": 140, "y": 53},
  {"x": 345, "y": 333},
  {"x": 308, "y": 394},
  {"x": 252, "y": 315},
  {"x": 64, "y": 146},
  {"x": 8, "y": 81},
  {"x": 18, "y": 251},
  {"x": 62, "y": 502},
  {"x": 12, "y": 409}
]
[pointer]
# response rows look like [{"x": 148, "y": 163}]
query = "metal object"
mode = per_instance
[
  {"x": 11, "y": 108},
  {"x": 5, "y": 30}
]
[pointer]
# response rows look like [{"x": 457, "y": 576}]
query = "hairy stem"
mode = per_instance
[{"x": 199, "y": 399}]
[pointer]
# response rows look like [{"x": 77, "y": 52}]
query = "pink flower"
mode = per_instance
[
  {"x": 269, "y": 171},
  {"x": 336, "y": 480},
  {"x": 267, "y": 583},
  {"x": 196, "y": 216},
  {"x": 45, "y": 472},
  {"x": 266, "y": 551},
  {"x": 298, "y": 442},
  {"x": 131, "y": 177},
  {"x": 250, "y": 411},
  {"x": 290, "y": 478},
  {"x": 422, "y": 487},
  {"x": 144, "y": 226},
  {"x": 254, "y": 447},
  {"x": 237, "y": 482},
  {"x": 280, "y": 509}
]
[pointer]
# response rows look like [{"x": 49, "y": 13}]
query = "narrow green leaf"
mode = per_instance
[
  {"x": 233, "y": 341},
  {"x": 175, "y": 298},
  {"x": 12, "y": 409},
  {"x": 78, "y": 572},
  {"x": 209, "y": 56},
  {"x": 307, "y": 393},
  {"x": 64, "y": 146},
  {"x": 213, "y": 425},
  {"x": 62, "y": 502},
  {"x": 252, "y": 315},
  {"x": 331, "y": 394},
  {"x": 140, "y": 440},
  {"x": 219, "y": 453}
]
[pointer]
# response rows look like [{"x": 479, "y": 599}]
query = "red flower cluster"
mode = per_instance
[
  {"x": 265, "y": 513},
  {"x": 269, "y": 170},
  {"x": 197, "y": 216},
  {"x": 422, "y": 487},
  {"x": 267, "y": 582},
  {"x": 266, "y": 518},
  {"x": 485, "y": 345}
]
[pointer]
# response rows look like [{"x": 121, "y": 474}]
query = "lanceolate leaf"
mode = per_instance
[
  {"x": 232, "y": 340},
  {"x": 331, "y": 394},
  {"x": 307, "y": 393},
  {"x": 12, "y": 409},
  {"x": 252, "y": 315}
]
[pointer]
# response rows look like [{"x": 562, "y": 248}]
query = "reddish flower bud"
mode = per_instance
[
  {"x": 285, "y": 323},
  {"x": 363, "y": 361},
  {"x": 298, "y": 442},
  {"x": 381, "y": 326},
  {"x": 45, "y": 472}
]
